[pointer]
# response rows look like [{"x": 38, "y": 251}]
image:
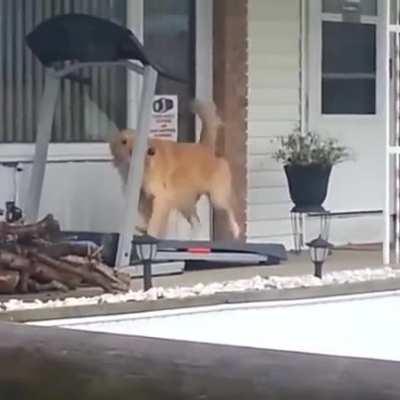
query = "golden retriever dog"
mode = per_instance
[{"x": 176, "y": 175}]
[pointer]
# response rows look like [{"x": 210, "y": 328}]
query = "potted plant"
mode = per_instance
[{"x": 308, "y": 160}]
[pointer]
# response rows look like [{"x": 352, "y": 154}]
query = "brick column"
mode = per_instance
[{"x": 230, "y": 95}]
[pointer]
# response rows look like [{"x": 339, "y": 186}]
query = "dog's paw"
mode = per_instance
[
  {"x": 236, "y": 231},
  {"x": 141, "y": 229}
]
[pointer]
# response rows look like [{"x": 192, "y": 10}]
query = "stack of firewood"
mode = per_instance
[{"x": 36, "y": 258}]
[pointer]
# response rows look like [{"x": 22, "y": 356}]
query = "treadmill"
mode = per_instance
[{"x": 65, "y": 45}]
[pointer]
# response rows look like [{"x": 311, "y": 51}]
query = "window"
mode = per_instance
[
  {"x": 169, "y": 37},
  {"x": 84, "y": 113},
  {"x": 90, "y": 113},
  {"x": 366, "y": 7},
  {"x": 348, "y": 62}
]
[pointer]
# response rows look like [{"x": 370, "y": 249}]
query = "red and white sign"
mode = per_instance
[{"x": 164, "y": 123}]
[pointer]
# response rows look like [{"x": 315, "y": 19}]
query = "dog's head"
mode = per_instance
[{"x": 121, "y": 146}]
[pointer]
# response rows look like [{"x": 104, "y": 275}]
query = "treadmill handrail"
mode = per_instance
[{"x": 62, "y": 73}]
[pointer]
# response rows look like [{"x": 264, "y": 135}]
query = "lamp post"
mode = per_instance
[
  {"x": 146, "y": 250},
  {"x": 319, "y": 251}
]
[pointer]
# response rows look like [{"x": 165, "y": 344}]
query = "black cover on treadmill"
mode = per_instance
[
  {"x": 274, "y": 251},
  {"x": 86, "y": 38}
]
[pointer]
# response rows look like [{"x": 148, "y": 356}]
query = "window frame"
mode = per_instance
[
  {"x": 316, "y": 18},
  {"x": 99, "y": 151}
]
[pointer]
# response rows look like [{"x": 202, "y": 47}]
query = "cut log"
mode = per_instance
[
  {"x": 23, "y": 282},
  {"x": 14, "y": 261},
  {"x": 46, "y": 228},
  {"x": 9, "y": 281},
  {"x": 92, "y": 265},
  {"x": 62, "y": 249},
  {"x": 36, "y": 260},
  {"x": 46, "y": 287},
  {"x": 90, "y": 278},
  {"x": 44, "y": 274}
]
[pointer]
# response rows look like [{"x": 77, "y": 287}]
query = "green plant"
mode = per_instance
[{"x": 310, "y": 148}]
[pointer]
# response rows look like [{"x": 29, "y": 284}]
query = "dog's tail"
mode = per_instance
[{"x": 210, "y": 122}]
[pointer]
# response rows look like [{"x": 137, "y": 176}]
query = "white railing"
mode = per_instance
[{"x": 392, "y": 128}]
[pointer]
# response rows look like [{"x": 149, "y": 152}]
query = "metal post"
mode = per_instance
[
  {"x": 304, "y": 66},
  {"x": 397, "y": 159},
  {"x": 386, "y": 55},
  {"x": 43, "y": 135},
  {"x": 147, "y": 275},
  {"x": 318, "y": 269},
  {"x": 134, "y": 17},
  {"x": 136, "y": 169},
  {"x": 302, "y": 230},
  {"x": 325, "y": 225},
  {"x": 294, "y": 217}
]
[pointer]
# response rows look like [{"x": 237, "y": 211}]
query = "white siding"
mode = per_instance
[
  {"x": 274, "y": 109},
  {"x": 85, "y": 196}
]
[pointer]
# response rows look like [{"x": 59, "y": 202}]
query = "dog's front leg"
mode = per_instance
[
  {"x": 145, "y": 211},
  {"x": 159, "y": 218}
]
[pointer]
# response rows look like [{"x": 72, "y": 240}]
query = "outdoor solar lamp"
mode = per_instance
[
  {"x": 319, "y": 251},
  {"x": 146, "y": 249}
]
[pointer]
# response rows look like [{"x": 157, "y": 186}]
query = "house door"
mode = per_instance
[{"x": 345, "y": 101}]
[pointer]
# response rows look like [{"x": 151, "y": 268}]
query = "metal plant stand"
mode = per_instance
[{"x": 298, "y": 216}]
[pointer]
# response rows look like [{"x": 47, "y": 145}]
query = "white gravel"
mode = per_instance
[{"x": 256, "y": 283}]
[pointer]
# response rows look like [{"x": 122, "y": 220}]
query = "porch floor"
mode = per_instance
[{"x": 297, "y": 264}]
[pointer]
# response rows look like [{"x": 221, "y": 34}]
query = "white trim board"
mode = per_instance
[{"x": 58, "y": 152}]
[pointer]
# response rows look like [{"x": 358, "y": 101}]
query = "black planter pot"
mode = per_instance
[{"x": 308, "y": 184}]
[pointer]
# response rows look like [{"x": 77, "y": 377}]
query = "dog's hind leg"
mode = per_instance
[
  {"x": 223, "y": 201},
  {"x": 191, "y": 216},
  {"x": 222, "y": 197},
  {"x": 235, "y": 229},
  {"x": 159, "y": 218}
]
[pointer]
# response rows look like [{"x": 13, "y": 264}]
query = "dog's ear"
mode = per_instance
[{"x": 114, "y": 136}]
